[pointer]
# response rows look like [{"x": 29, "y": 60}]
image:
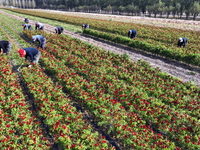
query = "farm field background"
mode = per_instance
[
  {"x": 82, "y": 97},
  {"x": 158, "y": 40}
]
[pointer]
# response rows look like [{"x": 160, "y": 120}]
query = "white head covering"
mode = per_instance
[{"x": 181, "y": 39}]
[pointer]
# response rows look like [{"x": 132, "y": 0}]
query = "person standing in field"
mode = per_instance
[
  {"x": 27, "y": 26},
  {"x": 41, "y": 39},
  {"x": 132, "y": 34},
  {"x": 59, "y": 30},
  {"x": 85, "y": 26},
  {"x": 39, "y": 26},
  {"x": 31, "y": 54},
  {"x": 182, "y": 41},
  {"x": 26, "y": 20},
  {"x": 5, "y": 47}
]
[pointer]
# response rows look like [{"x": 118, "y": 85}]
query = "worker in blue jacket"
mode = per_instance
[
  {"x": 31, "y": 54},
  {"x": 182, "y": 41},
  {"x": 59, "y": 30},
  {"x": 27, "y": 26},
  {"x": 41, "y": 39},
  {"x": 39, "y": 26},
  {"x": 5, "y": 47},
  {"x": 26, "y": 20},
  {"x": 132, "y": 34},
  {"x": 85, "y": 26}
]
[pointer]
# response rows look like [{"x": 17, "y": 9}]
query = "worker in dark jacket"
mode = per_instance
[
  {"x": 85, "y": 26},
  {"x": 31, "y": 54},
  {"x": 5, "y": 47},
  {"x": 39, "y": 26},
  {"x": 59, "y": 30},
  {"x": 27, "y": 26},
  {"x": 26, "y": 20},
  {"x": 40, "y": 39},
  {"x": 182, "y": 41},
  {"x": 132, "y": 34}
]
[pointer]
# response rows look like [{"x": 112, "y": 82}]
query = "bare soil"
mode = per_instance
[{"x": 185, "y": 72}]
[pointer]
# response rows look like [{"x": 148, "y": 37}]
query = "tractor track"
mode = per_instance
[{"x": 182, "y": 71}]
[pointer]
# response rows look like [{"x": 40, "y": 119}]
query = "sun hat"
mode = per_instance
[{"x": 21, "y": 52}]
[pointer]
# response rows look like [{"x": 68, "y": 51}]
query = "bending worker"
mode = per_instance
[
  {"x": 5, "y": 47},
  {"x": 27, "y": 26},
  {"x": 182, "y": 41},
  {"x": 39, "y": 26},
  {"x": 26, "y": 20},
  {"x": 59, "y": 30},
  {"x": 132, "y": 34},
  {"x": 85, "y": 26},
  {"x": 31, "y": 54},
  {"x": 40, "y": 39}
]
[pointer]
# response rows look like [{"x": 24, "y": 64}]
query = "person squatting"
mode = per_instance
[
  {"x": 182, "y": 41},
  {"x": 41, "y": 39},
  {"x": 31, "y": 54},
  {"x": 59, "y": 30},
  {"x": 132, "y": 34},
  {"x": 39, "y": 26},
  {"x": 27, "y": 26},
  {"x": 5, "y": 47}
]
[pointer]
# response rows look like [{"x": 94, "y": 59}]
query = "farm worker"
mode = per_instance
[
  {"x": 40, "y": 39},
  {"x": 31, "y": 54},
  {"x": 39, "y": 26},
  {"x": 182, "y": 41},
  {"x": 85, "y": 26},
  {"x": 59, "y": 30},
  {"x": 26, "y": 20},
  {"x": 132, "y": 34},
  {"x": 27, "y": 26},
  {"x": 5, "y": 47}
]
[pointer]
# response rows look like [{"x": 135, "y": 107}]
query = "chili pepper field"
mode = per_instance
[{"x": 81, "y": 97}]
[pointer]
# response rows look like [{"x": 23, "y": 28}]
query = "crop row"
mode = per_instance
[
  {"x": 98, "y": 69},
  {"x": 65, "y": 124},
  {"x": 158, "y": 40},
  {"x": 120, "y": 103}
]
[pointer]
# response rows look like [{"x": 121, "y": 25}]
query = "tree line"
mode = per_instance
[{"x": 155, "y": 8}]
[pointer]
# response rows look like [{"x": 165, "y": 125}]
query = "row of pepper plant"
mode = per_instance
[
  {"x": 20, "y": 128},
  {"x": 66, "y": 125},
  {"x": 104, "y": 77},
  {"x": 107, "y": 81},
  {"x": 158, "y": 40}
]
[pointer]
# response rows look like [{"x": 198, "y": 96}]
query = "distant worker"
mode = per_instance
[
  {"x": 5, "y": 47},
  {"x": 40, "y": 39},
  {"x": 85, "y": 26},
  {"x": 182, "y": 41},
  {"x": 132, "y": 34},
  {"x": 26, "y": 20},
  {"x": 31, "y": 54},
  {"x": 27, "y": 26},
  {"x": 59, "y": 30},
  {"x": 39, "y": 26}
]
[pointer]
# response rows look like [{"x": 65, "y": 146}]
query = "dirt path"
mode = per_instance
[{"x": 184, "y": 72}]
